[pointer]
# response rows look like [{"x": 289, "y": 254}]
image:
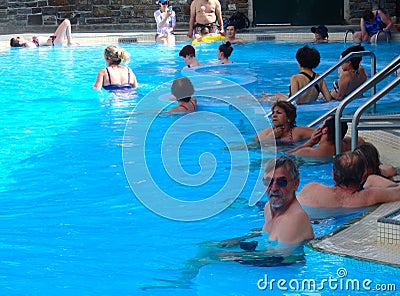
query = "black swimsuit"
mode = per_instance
[
  {"x": 311, "y": 78},
  {"x": 113, "y": 87}
]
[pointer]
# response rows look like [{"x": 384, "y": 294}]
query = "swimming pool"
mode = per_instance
[{"x": 70, "y": 223}]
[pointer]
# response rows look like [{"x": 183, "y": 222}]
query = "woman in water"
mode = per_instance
[
  {"x": 224, "y": 52},
  {"x": 115, "y": 76},
  {"x": 183, "y": 90},
  {"x": 284, "y": 129}
]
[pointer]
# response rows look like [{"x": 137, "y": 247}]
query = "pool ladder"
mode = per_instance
[{"x": 380, "y": 31}]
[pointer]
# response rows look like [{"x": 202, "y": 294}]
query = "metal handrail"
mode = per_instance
[
  {"x": 330, "y": 70},
  {"x": 347, "y": 32},
  {"x": 392, "y": 66},
  {"x": 369, "y": 103}
]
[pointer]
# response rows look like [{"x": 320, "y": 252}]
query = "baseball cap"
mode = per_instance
[{"x": 321, "y": 30}]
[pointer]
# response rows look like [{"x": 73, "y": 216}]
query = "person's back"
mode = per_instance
[
  {"x": 308, "y": 59},
  {"x": 349, "y": 191},
  {"x": 352, "y": 75}
]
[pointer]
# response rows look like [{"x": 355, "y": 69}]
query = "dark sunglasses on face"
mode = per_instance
[
  {"x": 165, "y": 3},
  {"x": 281, "y": 182}
]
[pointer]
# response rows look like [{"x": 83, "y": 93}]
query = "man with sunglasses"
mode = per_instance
[
  {"x": 285, "y": 220},
  {"x": 205, "y": 13},
  {"x": 287, "y": 226}
]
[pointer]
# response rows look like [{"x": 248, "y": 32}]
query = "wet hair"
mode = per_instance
[
  {"x": 204, "y": 31},
  {"x": 226, "y": 49},
  {"x": 348, "y": 169},
  {"x": 231, "y": 25},
  {"x": 14, "y": 42},
  {"x": 182, "y": 89},
  {"x": 283, "y": 161},
  {"x": 368, "y": 15},
  {"x": 290, "y": 111},
  {"x": 116, "y": 55},
  {"x": 330, "y": 124},
  {"x": 308, "y": 57},
  {"x": 187, "y": 50},
  {"x": 355, "y": 62},
  {"x": 371, "y": 155}
]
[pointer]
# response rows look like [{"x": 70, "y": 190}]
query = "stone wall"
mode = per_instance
[{"x": 18, "y": 16}]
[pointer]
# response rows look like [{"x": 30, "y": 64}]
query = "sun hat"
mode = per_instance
[
  {"x": 162, "y": 1},
  {"x": 321, "y": 30},
  {"x": 182, "y": 88}
]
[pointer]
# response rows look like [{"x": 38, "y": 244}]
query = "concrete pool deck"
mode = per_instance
[
  {"x": 360, "y": 239},
  {"x": 299, "y": 33}
]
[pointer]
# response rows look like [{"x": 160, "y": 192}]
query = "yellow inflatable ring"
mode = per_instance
[{"x": 209, "y": 39}]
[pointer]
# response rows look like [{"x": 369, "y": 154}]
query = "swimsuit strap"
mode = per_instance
[
  {"x": 311, "y": 78},
  {"x": 184, "y": 107},
  {"x": 291, "y": 136},
  {"x": 194, "y": 106},
  {"x": 129, "y": 75},
  {"x": 109, "y": 77}
]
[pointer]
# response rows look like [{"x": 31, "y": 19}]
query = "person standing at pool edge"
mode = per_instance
[
  {"x": 205, "y": 13},
  {"x": 116, "y": 77},
  {"x": 166, "y": 21}
]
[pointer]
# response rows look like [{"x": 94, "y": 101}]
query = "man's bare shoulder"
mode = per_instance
[{"x": 311, "y": 193}]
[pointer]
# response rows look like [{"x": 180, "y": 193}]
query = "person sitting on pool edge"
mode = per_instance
[
  {"x": 188, "y": 53},
  {"x": 57, "y": 39},
  {"x": 351, "y": 189},
  {"x": 374, "y": 26},
  {"x": 166, "y": 21},
  {"x": 284, "y": 129},
  {"x": 352, "y": 75},
  {"x": 224, "y": 52},
  {"x": 183, "y": 90},
  {"x": 116, "y": 77},
  {"x": 308, "y": 58}
]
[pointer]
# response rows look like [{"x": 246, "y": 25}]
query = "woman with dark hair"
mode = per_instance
[
  {"x": 374, "y": 25},
  {"x": 307, "y": 58},
  {"x": 224, "y": 52},
  {"x": 373, "y": 163},
  {"x": 352, "y": 75},
  {"x": 284, "y": 129},
  {"x": 62, "y": 32}
]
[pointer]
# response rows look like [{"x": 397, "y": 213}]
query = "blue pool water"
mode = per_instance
[{"x": 70, "y": 223}]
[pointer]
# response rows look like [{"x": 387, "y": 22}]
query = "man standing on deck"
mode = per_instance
[{"x": 205, "y": 13}]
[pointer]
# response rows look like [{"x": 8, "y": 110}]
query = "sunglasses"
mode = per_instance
[
  {"x": 281, "y": 182},
  {"x": 165, "y": 3}
]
